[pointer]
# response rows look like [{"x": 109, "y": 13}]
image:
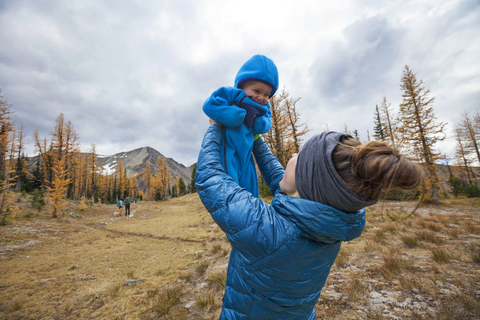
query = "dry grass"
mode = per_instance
[
  {"x": 166, "y": 299},
  {"x": 206, "y": 300},
  {"x": 76, "y": 268},
  {"x": 202, "y": 267},
  {"x": 409, "y": 241},
  {"x": 342, "y": 259},
  {"x": 356, "y": 289},
  {"x": 217, "y": 279}
]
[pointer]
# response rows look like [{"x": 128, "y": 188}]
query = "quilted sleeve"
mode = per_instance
[
  {"x": 248, "y": 222},
  {"x": 272, "y": 171},
  {"x": 220, "y": 107}
]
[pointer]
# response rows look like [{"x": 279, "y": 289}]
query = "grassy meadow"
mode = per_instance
[{"x": 423, "y": 267}]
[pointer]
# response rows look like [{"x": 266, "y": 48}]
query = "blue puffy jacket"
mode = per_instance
[
  {"x": 281, "y": 253},
  {"x": 242, "y": 119}
]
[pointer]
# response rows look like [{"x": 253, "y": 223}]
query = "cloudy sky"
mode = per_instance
[{"x": 129, "y": 74}]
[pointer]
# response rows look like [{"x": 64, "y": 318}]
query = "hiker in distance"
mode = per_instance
[
  {"x": 127, "y": 206},
  {"x": 282, "y": 253}
]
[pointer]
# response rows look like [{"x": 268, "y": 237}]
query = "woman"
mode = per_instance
[{"x": 282, "y": 253}]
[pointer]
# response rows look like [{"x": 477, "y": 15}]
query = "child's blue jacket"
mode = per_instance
[
  {"x": 242, "y": 118},
  {"x": 281, "y": 253}
]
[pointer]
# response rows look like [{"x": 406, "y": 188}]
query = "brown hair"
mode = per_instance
[{"x": 368, "y": 168}]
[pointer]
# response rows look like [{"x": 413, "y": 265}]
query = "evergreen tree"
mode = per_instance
[
  {"x": 192, "y": 184},
  {"x": 419, "y": 128},
  {"x": 389, "y": 123},
  {"x": 181, "y": 186},
  {"x": 378, "y": 126},
  {"x": 471, "y": 131}
]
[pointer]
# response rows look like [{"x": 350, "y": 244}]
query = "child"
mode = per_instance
[{"x": 244, "y": 113}]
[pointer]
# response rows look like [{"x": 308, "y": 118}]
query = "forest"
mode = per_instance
[{"x": 62, "y": 172}]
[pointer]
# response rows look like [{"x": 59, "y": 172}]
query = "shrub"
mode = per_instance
[
  {"x": 428, "y": 236},
  {"x": 393, "y": 264},
  {"x": 441, "y": 255},
  {"x": 379, "y": 236},
  {"x": 202, "y": 267},
  {"x": 264, "y": 191},
  {"x": 472, "y": 191},
  {"x": 342, "y": 259},
  {"x": 409, "y": 241},
  {"x": 186, "y": 276},
  {"x": 167, "y": 298},
  {"x": 217, "y": 279},
  {"x": 206, "y": 300},
  {"x": 355, "y": 289},
  {"x": 216, "y": 248}
]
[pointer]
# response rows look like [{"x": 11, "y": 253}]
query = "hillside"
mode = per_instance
[
  {"x": 135, "y": 161},
  {"x": 424, "y": 267}
]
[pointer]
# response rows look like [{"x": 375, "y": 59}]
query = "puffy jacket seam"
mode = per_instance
[
  {"x": 275, "y": 250},
  {"x": 228, "y": 224},
  {"x": 304, "y": 271}
]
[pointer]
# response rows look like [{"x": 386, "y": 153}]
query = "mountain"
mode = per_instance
[{"x": 135, "y": 161}]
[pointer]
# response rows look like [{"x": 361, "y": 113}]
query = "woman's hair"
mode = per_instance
[{"x": 368, "y": 168}]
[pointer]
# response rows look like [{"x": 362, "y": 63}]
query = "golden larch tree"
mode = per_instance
[
  {"x": 21, "y": 165},
  {"x": 147, "y": 178},
  {"x": 56, "y": 193},
  {"x": 6, "y": 127},
  {"x": 420, "y": 129},
  {"x": 389, "y": 122},
  {"x": 285, "y": 136},
  {"x": 464, "y": 160},
  {"x": 121, "y": 180},
  {"x": 93, "y": 170},
  {"x": 471, "y": 130}
]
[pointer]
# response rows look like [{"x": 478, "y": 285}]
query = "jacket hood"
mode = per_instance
[
  {"x": 320, "y": 222},
  {"x": 259, "y": 68}
]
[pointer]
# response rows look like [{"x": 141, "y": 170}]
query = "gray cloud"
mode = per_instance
[{"x": 137, "y": 74}]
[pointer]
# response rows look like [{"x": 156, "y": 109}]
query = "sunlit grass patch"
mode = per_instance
[{"x": 167, "y": 298}]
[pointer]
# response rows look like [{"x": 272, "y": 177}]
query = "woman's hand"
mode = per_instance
[{"x": 214, "y": 122}]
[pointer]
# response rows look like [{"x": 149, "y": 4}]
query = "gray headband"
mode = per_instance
[{"x": 317, "y": 179}]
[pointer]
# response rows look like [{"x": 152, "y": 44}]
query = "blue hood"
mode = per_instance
[
  {"x": 259, "y": 68},
  {"x": 320, "y": 222}
]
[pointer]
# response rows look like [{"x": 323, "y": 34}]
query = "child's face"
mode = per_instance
[{"x": 257, "y": 91}]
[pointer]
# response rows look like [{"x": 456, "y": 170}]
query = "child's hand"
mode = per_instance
[{"x": 214, "y": 122}]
